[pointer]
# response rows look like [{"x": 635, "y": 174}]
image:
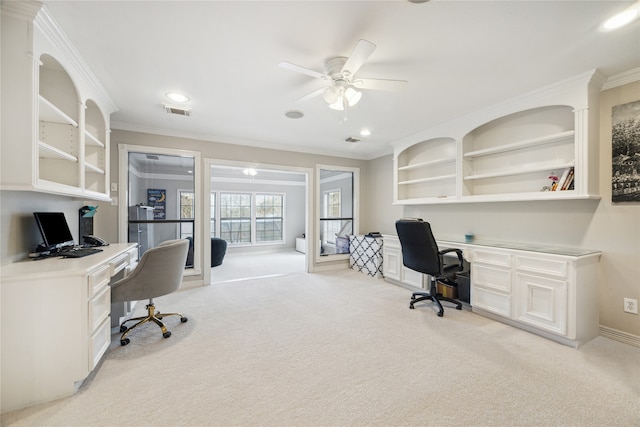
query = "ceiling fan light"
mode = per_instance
[
  {"x": 331, "y": 95},
  {"x": 353, "y": 96},
  {"x": 338, "y": 105}
]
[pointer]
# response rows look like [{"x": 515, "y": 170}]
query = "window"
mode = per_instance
[
  {"x": 269, "y": 208},
  {"x": 248, "y": 218},
  {"x": 332, "y": 209},
  {"x": 187, "y": 209},
  {"x": 235, "y": 217}
]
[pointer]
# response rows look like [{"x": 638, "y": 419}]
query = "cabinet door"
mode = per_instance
[
  {"x": 412, "y": 278},
  {"x": 392, "y": 263},
  {"x": 542, "y": 302}
]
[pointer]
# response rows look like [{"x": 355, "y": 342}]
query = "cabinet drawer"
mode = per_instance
[
  {"x": 118, "y": 263},
  {"x": 550, "y": 267},
  {"x": 492, "y": 301},
  {"x": 497, "y": 279},
  {"x": 99, "y": 342},
  {"x": 133, "y": 255},
  {"x": 99, "y": 308},
  {"x": 98, "y": 279},
  {"x": 492, "y": 258}
]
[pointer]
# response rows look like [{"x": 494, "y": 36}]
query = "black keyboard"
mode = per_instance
[{"x": 81, "y": 252}]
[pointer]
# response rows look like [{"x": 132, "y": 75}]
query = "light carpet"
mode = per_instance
[{"x": 342, "y": 349}]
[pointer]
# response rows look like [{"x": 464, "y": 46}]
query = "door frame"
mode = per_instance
[{"x": 123, "y": 195}]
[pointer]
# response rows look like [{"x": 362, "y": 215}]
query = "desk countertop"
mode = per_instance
[{"x": 57, "y": 266}]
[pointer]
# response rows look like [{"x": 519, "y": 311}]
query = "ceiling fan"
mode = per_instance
[{"x": 339, "y": 73}]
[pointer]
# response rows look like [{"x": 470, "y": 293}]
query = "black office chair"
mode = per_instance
[{"x": 420, "y": 253}]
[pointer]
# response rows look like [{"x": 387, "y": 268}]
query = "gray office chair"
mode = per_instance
[
  {"x": 420, "y": 253},
  {"x": 158, "y": 273}
]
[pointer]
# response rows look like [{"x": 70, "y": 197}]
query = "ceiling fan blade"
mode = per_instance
[
  {"x": 380, "y": 84},
  {"x": 299, "y": 69},
  {"x": 362, "y": 50},
  {"x": 310, "y": 95}
]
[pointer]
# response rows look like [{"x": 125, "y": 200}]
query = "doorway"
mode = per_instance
[{"x": 262, "y": 212}]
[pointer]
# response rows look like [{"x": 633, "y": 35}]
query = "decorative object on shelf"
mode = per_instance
[{"x": 625, "y": 142}]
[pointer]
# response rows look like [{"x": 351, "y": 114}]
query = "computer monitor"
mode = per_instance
[{"x": 54, "y": 229}]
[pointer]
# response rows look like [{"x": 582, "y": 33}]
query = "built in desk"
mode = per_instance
[
  {"x": 548, "y": 290},
  {"x": 56, "y": 322}
]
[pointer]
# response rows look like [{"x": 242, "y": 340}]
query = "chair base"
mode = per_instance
[
  {"x": 152, "y": 316},
  {"x": 434, "y": 296}
]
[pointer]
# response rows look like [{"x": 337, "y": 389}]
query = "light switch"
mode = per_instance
[{"x": 114, "y": 186}]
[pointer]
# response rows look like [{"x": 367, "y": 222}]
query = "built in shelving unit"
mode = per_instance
[
  {"x": 55, "y": 136},
  {"x": 427, "y": 169},
  {"x": 507, "y": 152}
]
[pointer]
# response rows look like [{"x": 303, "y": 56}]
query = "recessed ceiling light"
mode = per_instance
[
  {"x": 621, "y": 19},
  {"x": 365, "y": 132},
  {"x": 177, "y": 97},
  {"x": 294, "y": 114}
]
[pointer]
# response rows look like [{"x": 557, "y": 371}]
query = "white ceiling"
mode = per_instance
[{"x": 458, "y": 57}]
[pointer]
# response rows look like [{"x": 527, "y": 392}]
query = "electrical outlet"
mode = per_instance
[{"x": 631, "y": 305}]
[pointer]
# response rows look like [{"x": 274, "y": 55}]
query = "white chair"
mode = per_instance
[{"x": 158, "y": 273}]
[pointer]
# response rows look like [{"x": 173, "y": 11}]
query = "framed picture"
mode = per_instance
[
  {"x": 158, "y": 200},
  {"x": 625, "y": 159}
]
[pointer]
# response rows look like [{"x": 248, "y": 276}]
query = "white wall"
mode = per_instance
[{"x": 18, "y": 230}]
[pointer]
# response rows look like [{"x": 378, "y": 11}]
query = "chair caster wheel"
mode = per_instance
[
  {"x": 411, "y": 306},
  {"x": 125, "y": 341},
  {"x": 459, "y": 307},
  {"x": 184, "y": 319},
  {"x": 167, "y": 334},
  {"x": 440, "y": 314},
  {"x": 123, "y": 328}
]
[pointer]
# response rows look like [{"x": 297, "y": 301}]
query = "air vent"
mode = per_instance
[
  {"x": 152, "y": 157},
  {"x": 352, "y": 139},
  {"x": 180, "y": 111}
]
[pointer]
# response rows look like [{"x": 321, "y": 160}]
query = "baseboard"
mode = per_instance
[{"x": 617, "y": 335}]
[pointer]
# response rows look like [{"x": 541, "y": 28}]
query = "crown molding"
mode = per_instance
[
  {"x": 26, "y": 10},
  {"x": 621, "y": 79},
  {"x": 50, "y": 28},
  {"x": 122, "y": 126}
]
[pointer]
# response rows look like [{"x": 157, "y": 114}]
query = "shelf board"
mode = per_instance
[
  {"x": 90, "y": 139},
  {"x": 506, "y": 197},
  {"x": 547, "y": 139},
  {"x": 50, "y": 152},
  {"x": 93, "y": 169},
  {"x": 520, "y": 171},
  {"x": 428, "y": 163},
  {"x": 430, "y": 179},
  {"x": 50, "y": 113}
]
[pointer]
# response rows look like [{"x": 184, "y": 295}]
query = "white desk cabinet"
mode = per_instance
[
  {"x": 56, "y": 323},
  {"x": 548, "y": 291}
]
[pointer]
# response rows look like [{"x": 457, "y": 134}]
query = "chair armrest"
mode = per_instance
[{"x": 458, "y": 253}]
